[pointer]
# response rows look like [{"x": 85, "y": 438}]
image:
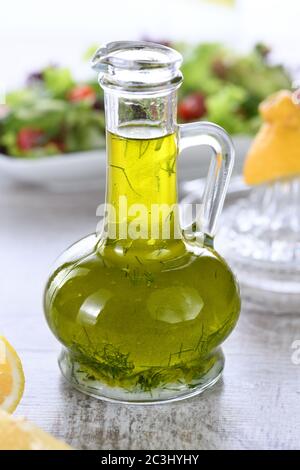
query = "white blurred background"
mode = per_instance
[{"x": 35, "y": 33}]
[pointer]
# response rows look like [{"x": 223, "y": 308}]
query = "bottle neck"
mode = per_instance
[
  {"x": 147, "y": 115},
  {"x": 142, "y": 159}
]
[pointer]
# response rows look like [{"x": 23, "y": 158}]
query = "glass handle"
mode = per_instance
[{"x": 220, "y": 169}]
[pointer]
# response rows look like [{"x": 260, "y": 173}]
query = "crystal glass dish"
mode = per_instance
[{"x": 260, "y": 237}]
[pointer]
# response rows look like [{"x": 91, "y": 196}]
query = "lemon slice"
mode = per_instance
[
  {"x": 19, "y": 434},
  {"x": 11, "y": 377}
]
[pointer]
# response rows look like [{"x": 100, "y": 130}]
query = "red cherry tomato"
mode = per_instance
[
  {"x": 82, "y": 93},
  {"x": 192, "y": 107},
  {"x": 29, "y": 138}
]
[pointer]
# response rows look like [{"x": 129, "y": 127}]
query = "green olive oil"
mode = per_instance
[{"x": 144, "y": 314}]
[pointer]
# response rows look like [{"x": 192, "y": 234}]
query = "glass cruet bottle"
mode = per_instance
[{"x": 142, "y": 307}]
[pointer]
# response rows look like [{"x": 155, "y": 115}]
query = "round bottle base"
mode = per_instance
[{"x": 70, "y": 369}]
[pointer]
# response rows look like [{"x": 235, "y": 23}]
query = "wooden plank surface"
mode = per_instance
[{"x": 256, "y": 405}]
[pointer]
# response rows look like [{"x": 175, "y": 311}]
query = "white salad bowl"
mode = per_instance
[{"x": 86, "y": 169}]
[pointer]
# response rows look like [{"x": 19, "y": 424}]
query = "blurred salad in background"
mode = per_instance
[
  {"x": 225, "y": 88},
  {"x": 55, "y": 114},
  {"x": 52, "y": 115}
]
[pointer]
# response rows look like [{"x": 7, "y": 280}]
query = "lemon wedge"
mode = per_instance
[
  {"x": 11, "y": 377},
  {"x": 19, "y": 434},
  {"x": 274, "y": 153}
]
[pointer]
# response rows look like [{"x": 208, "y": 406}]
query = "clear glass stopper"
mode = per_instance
[{"x": 137, "y": 66}]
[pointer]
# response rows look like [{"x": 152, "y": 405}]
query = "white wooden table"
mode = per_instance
[{"x": 257, "y": 405}]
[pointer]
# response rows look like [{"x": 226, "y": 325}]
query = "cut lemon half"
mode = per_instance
[
  {"x": 11, "y": 377},
  {"x": 274, "y": 153}
]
